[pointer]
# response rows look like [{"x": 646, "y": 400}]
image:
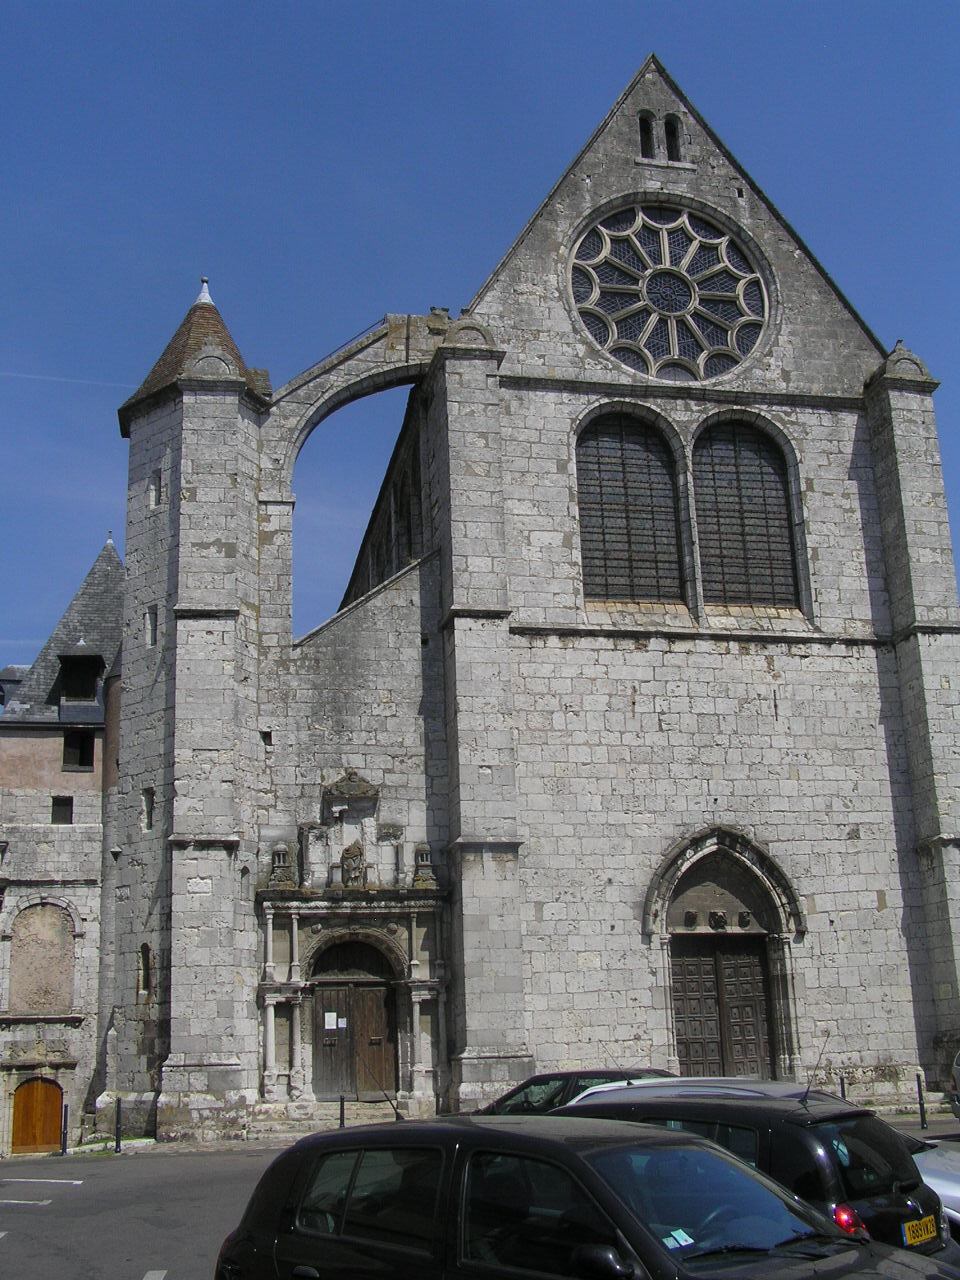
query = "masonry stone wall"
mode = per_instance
[
  {"x": 789, "y": 744},
  {"x": 367, "y": 695}
]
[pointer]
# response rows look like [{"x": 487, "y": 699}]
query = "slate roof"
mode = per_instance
[
  {"x": 92, "y": 623},
  {"x": 202, "y": 327}
]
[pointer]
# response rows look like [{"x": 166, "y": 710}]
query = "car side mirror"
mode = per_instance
[{"x": 602, "y": 1262}]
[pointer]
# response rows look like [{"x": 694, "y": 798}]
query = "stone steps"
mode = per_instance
[{"x": 270, "y": 1122}]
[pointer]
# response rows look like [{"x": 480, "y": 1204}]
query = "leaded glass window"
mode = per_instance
[
  {"x": 668, "y": 293},
  {"x": 628, "y": 512},
  {"x": 744, "y": 529}
]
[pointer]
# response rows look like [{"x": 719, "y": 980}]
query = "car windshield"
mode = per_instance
[
  {"x": 699, "y": 1202},
  {"x": 537, "y": 1095},
  {"x": 870, "y": 1158}
]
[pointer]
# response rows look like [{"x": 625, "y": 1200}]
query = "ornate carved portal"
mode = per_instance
[{"x": 355, "y": 1024}]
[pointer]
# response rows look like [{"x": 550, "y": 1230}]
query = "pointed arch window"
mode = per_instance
[
  {"x": 744, "y": 526},
  {"x": 627, "y": 495}
]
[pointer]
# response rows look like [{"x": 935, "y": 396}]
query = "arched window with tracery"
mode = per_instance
[
  {"x": 744, "y": 524},
  {"x": 627, "y": 496}
]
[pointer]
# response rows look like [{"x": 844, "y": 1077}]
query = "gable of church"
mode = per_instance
[{"x": 656, "y": 258}]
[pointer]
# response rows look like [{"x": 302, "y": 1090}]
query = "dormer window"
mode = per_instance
[{"x": 80, "y": 675}]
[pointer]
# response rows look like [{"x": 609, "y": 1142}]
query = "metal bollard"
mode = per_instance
[
  {"x": 64, "y": 1127},
  {"x": 843, "y": 1088},
  {"x": 342, "y": 1120},
  {"x": 923, "y": 1109},
  {"x": 116, "y": 1139}
]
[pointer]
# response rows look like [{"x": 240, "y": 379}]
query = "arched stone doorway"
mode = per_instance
[
  {"x": 355, "y": 1023},
  {"x": 37, "y": 1112},
  {"x": 726, "y": 916}
]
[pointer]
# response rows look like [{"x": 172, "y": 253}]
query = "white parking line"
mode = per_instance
[
  {"x": 64, "y": 1182},
  {"x": 154, "y": 1275},
  {"x": 2, "y": 1234},
  {"x": 26, "y": 1201}
]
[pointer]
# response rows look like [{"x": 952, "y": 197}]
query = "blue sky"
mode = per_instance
[{"x": 326, "y": 163}]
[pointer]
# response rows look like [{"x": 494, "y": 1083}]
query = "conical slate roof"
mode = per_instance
[
  {"x": 202, "y": 329},
  {"x": 92, "y": 624}
]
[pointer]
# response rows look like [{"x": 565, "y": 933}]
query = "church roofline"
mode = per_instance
[{"x": 653, "y": 61}]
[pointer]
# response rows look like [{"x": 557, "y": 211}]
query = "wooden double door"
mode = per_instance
[
  {"x": 355, "y": 1041},
  {"x": 721, "y": 1006},
  {"x": 37, "y": 1112}
]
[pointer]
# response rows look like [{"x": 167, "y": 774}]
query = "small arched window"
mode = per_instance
[
  {"x": 646, "y": 136},
  {"x": 626, "y": 491},
  {"x": 744, "y": 525},
  {"x": 671, "y": 132}
]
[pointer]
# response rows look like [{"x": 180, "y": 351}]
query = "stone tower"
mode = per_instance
[{"x": 184, "y": 922}]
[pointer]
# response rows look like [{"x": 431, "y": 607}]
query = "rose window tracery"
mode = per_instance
[{"x": 667, "y": 292}]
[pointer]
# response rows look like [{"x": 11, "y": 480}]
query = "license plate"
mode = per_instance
[{"x": 920, "y": 1230}]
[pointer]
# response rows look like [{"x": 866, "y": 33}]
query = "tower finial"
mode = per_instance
[{"x": 204, "y": 292}]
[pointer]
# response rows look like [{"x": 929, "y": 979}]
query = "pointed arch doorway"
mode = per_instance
[
  {"x": 725, "y": 913},
  {"x": 355, "y": 1023}
]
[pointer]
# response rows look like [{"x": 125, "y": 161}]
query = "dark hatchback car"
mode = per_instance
[
  {"x": 552, "y": 1089},
  {"x": 843, "y": 1160},
  {"x": 478, "y": 1197}
]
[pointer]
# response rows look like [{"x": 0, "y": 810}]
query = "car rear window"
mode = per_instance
[
  {"x": 739, "y": 1140},
  {"x": 870, "y": 1159}
]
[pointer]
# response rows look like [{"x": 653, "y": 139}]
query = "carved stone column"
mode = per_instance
[
  {"x": 268, "y": 944},
  {"x": 294, "y": 946},
  {"x": 296, "y": 1049},
  {"x": 269, "y": 1051}
]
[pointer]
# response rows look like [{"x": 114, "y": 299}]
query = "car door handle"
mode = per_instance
[
  {"x": 306, "y": 1273},
  {"x": 375, "y": 1040}
]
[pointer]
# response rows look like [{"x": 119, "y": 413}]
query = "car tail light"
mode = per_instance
[{"x": 848, "y": 1219}]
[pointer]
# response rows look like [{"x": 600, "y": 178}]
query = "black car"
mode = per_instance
[
  {"x": 552, "y": 1089},
  {"x": 477, "y": 1197},
  {"x": 843, "y": 1160}
]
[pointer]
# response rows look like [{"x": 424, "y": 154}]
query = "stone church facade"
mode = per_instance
[{"x": 635, "y": 740}]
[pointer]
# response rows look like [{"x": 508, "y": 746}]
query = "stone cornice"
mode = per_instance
[{"x": 585, "y": 389}]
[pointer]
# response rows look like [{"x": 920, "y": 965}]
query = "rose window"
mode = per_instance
[{"x": 667, "y": 293}]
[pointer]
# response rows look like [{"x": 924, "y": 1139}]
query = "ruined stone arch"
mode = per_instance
[{"x": 348, "y": 392}]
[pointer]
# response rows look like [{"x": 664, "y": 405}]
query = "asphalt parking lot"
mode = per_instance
[{"x": 150, "y": 1213}]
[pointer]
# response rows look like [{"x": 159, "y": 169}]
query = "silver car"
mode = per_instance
[{"x": 939, "y": 1165}]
